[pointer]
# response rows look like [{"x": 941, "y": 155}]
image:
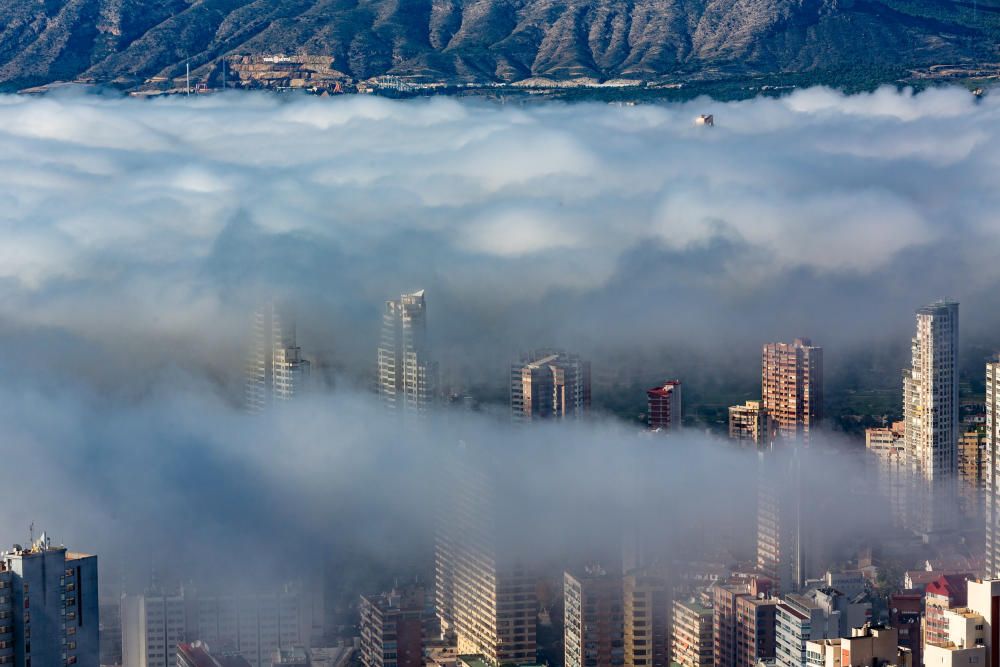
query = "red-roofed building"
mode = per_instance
[
  {"x": 664, "y": 407},
  {"x": 946, "y": 592}
]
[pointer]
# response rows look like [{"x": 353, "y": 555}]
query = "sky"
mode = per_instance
[{"x": 138, "y": 235}]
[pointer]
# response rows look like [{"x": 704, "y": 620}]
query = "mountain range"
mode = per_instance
[{"x": 129, "y": 42}]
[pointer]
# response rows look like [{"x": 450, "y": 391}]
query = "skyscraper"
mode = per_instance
[
  {"x": 750, "y": 424},
  {"x": 648, "y": 611},
  {"x": 692, "y": 634},
  {"x": 407, "y": 378},
  {"x": 392, "y": 628},
  {"x": 887, "y": 460},
  {"x": 930, "y": 415},
  {"x": 992, "y": 476},
  {"x": 780, "y": 552},
  {"x": 593, "y": 619},
  {"x": 549, "y": 384},
  {"x": 792, "y": 387},
  {"x": 485, "y": 596},
  {"x": 663, "y": 411},
  {"x": 276, "y": 370},
  {"x": 48, "y": 596}
]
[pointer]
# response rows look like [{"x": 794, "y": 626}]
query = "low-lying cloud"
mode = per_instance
[{"x": 138, "y": 236}]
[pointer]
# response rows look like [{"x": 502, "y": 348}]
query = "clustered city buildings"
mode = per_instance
[{"x": 486, "y": 602}]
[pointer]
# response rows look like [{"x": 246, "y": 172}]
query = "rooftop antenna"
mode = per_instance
[
  {"x": 188, "y": 77},
  {"x": 31, "y": 534}
]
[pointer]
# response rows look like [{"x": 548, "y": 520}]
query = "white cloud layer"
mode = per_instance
[{"x": 149, "y": 219}]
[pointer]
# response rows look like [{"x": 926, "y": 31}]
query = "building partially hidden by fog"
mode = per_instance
[
  {"x": 749, "y": 424},
  {"x": 392, "y": 628},
  {"x": 549, "y": 384},
  {"x": 792, "y": 388},
  {"x": 276, "y": 370},
  {"x": 49, "y": 607},
  {"x": 253, "y": 625},
  {"x": 992, "y": 481},
  {"x": 890, "y": 466},
  {"x": 407, "y": 377},
  {"x": 486, "y": 597},
  {"x": 930, "y": 416},
  {"x": 663, "y": 407},
  {"x": 593, "y": 618}
]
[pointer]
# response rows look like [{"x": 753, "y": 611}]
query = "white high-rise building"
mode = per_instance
[
  {"x": 992, "y": 472},
  {"x": 252, "y": 625},
  {"x": 930, "y": 415},
  {"x": 407, "y": 378},
  {"x": 276, "y": 370}
]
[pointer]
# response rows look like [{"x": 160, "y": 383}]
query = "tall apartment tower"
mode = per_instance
[
  {"x": 930, "y": 415},
  {"x": 992, "y": 475},
  {"x": 780, "y": 537},
  {"x": 648, "y": 611},
  {"x": 749, "y": 424},
  {"x": 792, "y": 387},
  {"x": 407, "y": 378},
  {"x": 486, "y": 599},
  {"x": 724, "y": 624},
  {"x": 153, "y": 626},
  {"x": 549, "y": 384},
  {"x": 593, "y": 619},
  {"x": 276, "y": 370},
  {"x": 663, "y": 412},
  {"x": 887, "y": 459},
  {"x": 755, "y": 630},
  {"x": 392, "y": 628},
  {"x": 692, "y": 634},
  {"x": 48, "y": 596}
]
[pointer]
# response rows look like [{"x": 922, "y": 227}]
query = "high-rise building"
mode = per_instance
[
  {"x": 647, "y": 620},
  {"x": 992, "y": 473},
  {"x": 407, "y": 378},
  {"x": 49, "y": 607},
  {"x": 692, "y": 634},
  {"x": 750, "y": 424},
  {"x": 549, "y": 384},
  {"x": 724, "y": 623},
  {"x": 972, "y": 469},
  {"x": 593, "y": 618},
  {"x": 276, "y": 370},
  {"x": 663, "y": 412},
  {"x": 798, "y": 619},
  {"x": 930, "y": 413},
  {"x": 792, "y": 387},
  {"x": 780, "y": 546},
  {"x": 486, "y": 598},
  {"x": 153, "y": 625},
  {"x": 111, "y": 633},
  {"x": 755, "y": 626},
  {"x": 392, "y": 628},
  {"x": 252, "y": 625},
  {"x": 887, "y": 455}
]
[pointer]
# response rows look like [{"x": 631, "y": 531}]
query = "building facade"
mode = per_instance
[
  {"x": 407, "y": 377},
  {"x": 276, "y": 370},
  {"x": 692, "y": 634},
  {"x": 930, "y": 413},
  {"x": 991, "y": 478},
  {"x": 549, "y": 384},
  {"x": 663, "y": 407},
  {"x": 647, "y": 608},
  {"x": 888, "y": 461},
  {"x": 792, "y": 388},
  {"x": 750, "y": 424},
  {"x": 593, "y": 616},
  {"x": 49, "y": 609},
  {"x": 755, "y": 627},
  {"x": 392, "y": 628}
]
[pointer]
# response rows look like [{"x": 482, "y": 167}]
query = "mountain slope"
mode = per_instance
[{"x": 129, "y": 41}]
